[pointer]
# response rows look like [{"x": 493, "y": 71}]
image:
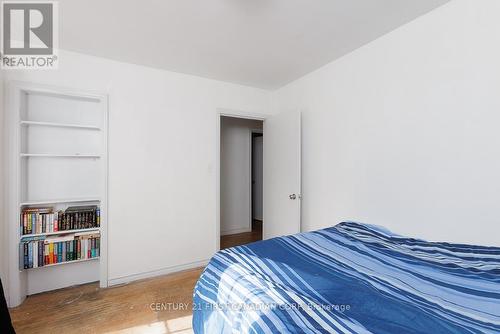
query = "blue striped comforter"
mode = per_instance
[{"x": 351, "y": 278}]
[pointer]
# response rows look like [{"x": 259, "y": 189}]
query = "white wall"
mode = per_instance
[
  {"x": 404, "y": 132},
  {"x": 258, "y": 177},
  {"x": 162, "y": 158},
  {"x": 235, "y": 191}
]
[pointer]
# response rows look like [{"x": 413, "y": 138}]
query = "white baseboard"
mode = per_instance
[
  {"x": 236, "y": 231},
  {"x": 155, "y": 273}
]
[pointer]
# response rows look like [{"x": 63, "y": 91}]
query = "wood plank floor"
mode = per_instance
[
  {"x": 124, "y": 309},
  {"x": 154, "y": 306},
  {"x": 232, "y": 240}
]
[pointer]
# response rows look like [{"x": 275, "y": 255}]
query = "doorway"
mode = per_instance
[{"x": 241, "y": 181}]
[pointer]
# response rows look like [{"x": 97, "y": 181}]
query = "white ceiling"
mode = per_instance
[{"x": 261, "y": 43}]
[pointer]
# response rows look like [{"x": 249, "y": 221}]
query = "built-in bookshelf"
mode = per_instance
[
  {"x": 50, "y": 236},
  {"x": 57, "y": 188}
]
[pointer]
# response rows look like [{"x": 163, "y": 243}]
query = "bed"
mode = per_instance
[{"x": 350, "y": 278}]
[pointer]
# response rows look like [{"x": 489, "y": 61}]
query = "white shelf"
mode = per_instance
[
  {"x": 48, "y": 155},
  {"x": 61, "y": 232},
  {"x": 65, "y": 262},
  {"x": 60, "y": 201},
  {"x": 60, "y": 125},
  {"x": 66, "y": 95}
]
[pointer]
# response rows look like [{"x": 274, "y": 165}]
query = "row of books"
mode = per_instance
[
  {"x": 41, "y": 251},
  {"x": 46, "y": 220}
]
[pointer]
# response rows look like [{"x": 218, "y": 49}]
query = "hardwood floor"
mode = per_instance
[
  {"x": 158, "y": 305},
  {"x": 232, "y": 240}
]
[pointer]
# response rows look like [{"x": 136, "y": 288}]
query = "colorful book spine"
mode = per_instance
[
  {"x": 46, "y": 220},
  {"x": 39, "y": 251}
]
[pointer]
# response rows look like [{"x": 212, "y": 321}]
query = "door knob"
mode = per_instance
[{"x": 292, "y": 196}]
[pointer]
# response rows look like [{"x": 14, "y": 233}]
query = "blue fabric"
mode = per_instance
[{"x": 351, "y": 278}]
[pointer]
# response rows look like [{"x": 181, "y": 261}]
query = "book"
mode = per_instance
[
  {"x": 26, "y": 255},
  {"x": 45, "y": 220},
  {"x": 32, "y": 219},
  {"x": 39, "y": 251}
]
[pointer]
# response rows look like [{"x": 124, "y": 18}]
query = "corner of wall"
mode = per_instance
[{"x": 3, "y": 238}]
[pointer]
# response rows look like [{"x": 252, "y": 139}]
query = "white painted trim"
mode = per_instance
[
  {"x": 104, "y": 243},
  {"x": 252, "y": 131},
  {"x": 4, "y": 264},
  {"x": 236, "y": 231},
  {"x": 36, "y": 88},
  {"x": 300, "y": 172},
  {"x": 217, "y": 182},
  {"x": 17, "y": 280},
  {"x": 250, "y": 199},
  {"x": 241, "y": 114},
  {"x": 156, "y": 273},
  {"x": 220, "y": 112}
]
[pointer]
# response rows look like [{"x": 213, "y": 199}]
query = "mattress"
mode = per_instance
[{"x": 350, "y": 278}]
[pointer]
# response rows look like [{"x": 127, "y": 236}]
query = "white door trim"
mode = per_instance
[{"x": 252, "y": 131}]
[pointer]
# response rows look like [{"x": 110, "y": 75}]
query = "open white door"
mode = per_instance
[{"x": 282, "y": 174}]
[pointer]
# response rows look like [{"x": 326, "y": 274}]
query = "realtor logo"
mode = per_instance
[{"x": 29, "y": 35}]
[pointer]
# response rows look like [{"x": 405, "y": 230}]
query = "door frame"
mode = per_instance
[
  {"x": 252, "y": 132},
  {"x": 221, "y": 112}
]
